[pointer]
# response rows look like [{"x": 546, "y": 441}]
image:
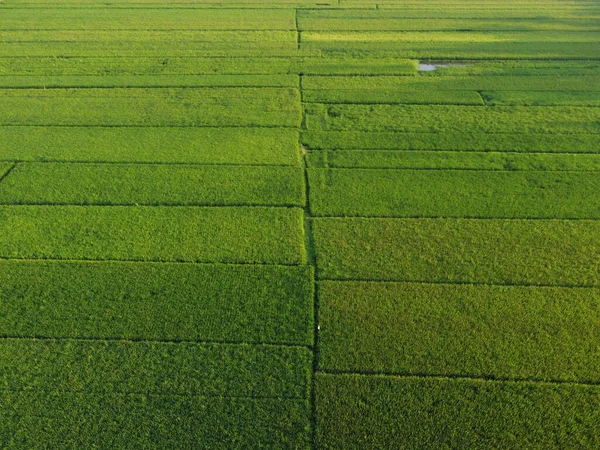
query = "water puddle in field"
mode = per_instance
[{"x": 434, "y": 65}]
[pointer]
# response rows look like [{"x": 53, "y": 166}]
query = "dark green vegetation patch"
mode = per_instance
[
  {"x": 535, "y": 333},
  {"x": 357, "y": 412},
  {"x": 178, "y": 302},
  {"x": 147, "y": 233},
  {"x": 454, "y": 193},
  {"x": 276, "y": 146},
  {"x": 152, "y": 184},
  {"x": 538, "y": 252}
]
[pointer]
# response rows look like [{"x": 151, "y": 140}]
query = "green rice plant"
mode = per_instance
[
  {"x": 152, "y": 184},
  {"x": 276, "y": 146},
  {"x": 540, "y": 333},
  {"x": 442, "y": 118},
  {"x": 423, "y": 12},
  {"x": 217, "y": 67},
  {"x": 453, "y": 193},
  {"x": 418, "y": 159},
  {"x": 56, "y": 18},
  {"x": 541, "y": 98},
  {"x": 450, "y": 37},
  {"x": 192, "y": 37},
  {"x": 441, "y": 84},
  {"x": 146, "y": 107},
  {"x": 490, "y": 251},
  {"x": 420, "y": 96},
  {"x": 140, "y": 81},
  {"x": 149, "y": 301},
  {"x": 155, "y": 49},
  {"x": 357, "y": 412},
  {"x": 463, "y": 140},
  {"x": 74, "y": 420},
  {"x": 146, "y": 233},
  {"x": 381, "y": 20},
  {"x": 443, "y": 50},
  {"x": 177, "y": 368}
]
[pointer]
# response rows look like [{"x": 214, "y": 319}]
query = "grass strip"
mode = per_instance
[
  {"x": 138, "y": 107},
  {"x": 242, "y": 65},
  {"x": 148, "y": 36},
  {"x": 152, "y": 184},
  {"x": 538, "y": 333},
  {"x": 437, "y": 119},
  {"x": 355, "y": 412},
  {"x": 424, "y": 83},
  {"x": 449, "y": 37},
  {"x": 137, "y": 81},
  {"x": 156, "y": 49},
  {"x": 541, "y": 98},
  {"x": 55, "y": 18},
  {"x": 226, "y": 303},
  {"x": 418, "y": 97},
  {"x": 417, "y": 159},
  {"x": 452, "y": 193},
  {"x": 466, "y": 141},
  {"x": 156, "y": 144},
  {"x": 383, "y": 21},
  {"x": 180, "y": 368},
  {"x": 442, "y": 50},
  {"x": 41, "y": 420},
  {"x": 194, "y": 234},
  {"x": 537, "y": 252}
]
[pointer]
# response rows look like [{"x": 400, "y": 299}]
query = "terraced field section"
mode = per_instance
[{"x": 343, "y": 224}]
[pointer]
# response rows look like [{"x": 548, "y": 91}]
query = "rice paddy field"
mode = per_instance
[{"x": 300, "y": 224}]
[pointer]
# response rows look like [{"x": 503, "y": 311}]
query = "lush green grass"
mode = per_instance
[
  {"x": 544, "y": 252},
  {"x": 452, "y": 50},
  {"x": 453, "y": 193},
  {"x": 72, "y": 421},
  {"x": 50, "y": 18},
  {"x": 195, "y": 234},
  {"x": 278, "y": 146},
  {"x": 418, "y": 159},
  {"x": 147, "y": 107},
  {"x": 542, "y": 98},
  {"x": 421, "y": 97},
  {"x": 447, "y": 37},
  {"x": 357, "y": 412},
  {"x": 120, "y": 81},
  {"x": 534, "y": 333},
  {"x": 152, "y": 184},
  {"x": 442, "y": 83},
  {"x": 191, "y": 37},
  {"x": 223, "y": 303},
  {"x": 243, "y": 65},
  {"x": 153, "y": 49},
  {"x": 435, "y": 118},
  {"x": 392, "y": 21},
  {"x": 232, "y": 370},
  {"x": 463, "y": 140}
]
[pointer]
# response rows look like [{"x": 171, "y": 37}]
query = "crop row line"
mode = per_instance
[
  {"x": 10, "y": 169},
  {"x": 318, "y": 280},
  {"x": 467, "y": 152},
  {"x": 141, "y": 163},
  {"x": 269, "y": 127},
  {"x": 459, "y": 377},
  {"x": 332, "y": 166},
  {"x": 154, "y": 261},
  {"x": 515, "y": 219},
  {"x": 153, "y": 205},
  {"x": 149, "y": 393},
  {"x": 142, "y": 340}
]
